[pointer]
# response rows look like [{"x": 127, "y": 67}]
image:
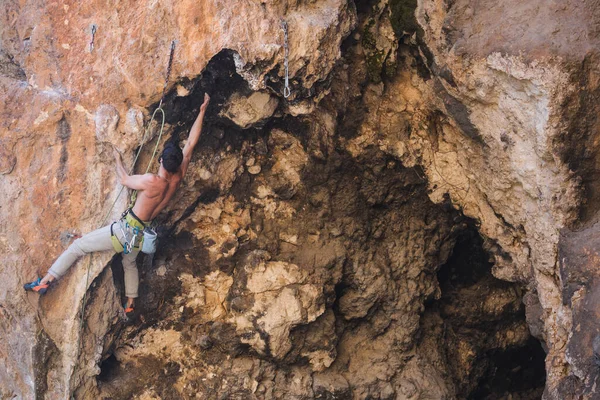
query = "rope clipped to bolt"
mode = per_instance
[{"x": 146, "y": 135}]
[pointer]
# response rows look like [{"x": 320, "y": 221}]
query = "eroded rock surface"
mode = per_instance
[{"x": 336, "y": 244}]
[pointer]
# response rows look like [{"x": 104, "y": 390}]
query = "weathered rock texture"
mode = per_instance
[{"x": 336, "y": 244}]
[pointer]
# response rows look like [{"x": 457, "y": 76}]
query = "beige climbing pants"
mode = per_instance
[{"x": 98, "y": 240}]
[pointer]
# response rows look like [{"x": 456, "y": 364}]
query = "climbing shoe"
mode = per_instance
[
  {"x": 129, "y": 312},
  {"x": 36, "y": 286}
]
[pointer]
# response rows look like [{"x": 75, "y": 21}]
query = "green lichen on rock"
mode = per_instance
[
  {"x": 368, "y": 39},
  {"x": 390, "y": 67},
  {"x": 403, "y": 17},
  {"x": 377, "y": 60},
  {"x": 373, "y": 56}
]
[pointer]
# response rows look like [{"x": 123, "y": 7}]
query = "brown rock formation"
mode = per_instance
[{"x": 336, "y": 244}]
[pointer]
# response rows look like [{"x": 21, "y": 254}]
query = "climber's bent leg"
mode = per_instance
[
  {"x": 98, "y": 240},
  {"x": 132, "y": 279}
]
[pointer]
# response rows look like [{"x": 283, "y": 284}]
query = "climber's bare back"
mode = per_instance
[{"x": 153, "y": 194}]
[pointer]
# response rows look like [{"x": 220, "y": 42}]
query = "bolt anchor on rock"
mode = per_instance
[{"x": 93, "y": 29}]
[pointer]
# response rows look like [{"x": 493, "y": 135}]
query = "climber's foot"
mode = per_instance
[
  {"x": 129, "y": 312},
  {"x": 36, "y": 286}
]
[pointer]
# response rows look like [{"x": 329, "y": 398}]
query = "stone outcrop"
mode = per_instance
[
  {"x": 248, "y": 111},
  {"x": 416, "y": 216}
]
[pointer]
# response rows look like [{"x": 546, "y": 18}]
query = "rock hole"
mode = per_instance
[
  {"x": 109, "y": 369},
  {"x": 519, "y": 369},
  {"x": 488, "y": 347}
]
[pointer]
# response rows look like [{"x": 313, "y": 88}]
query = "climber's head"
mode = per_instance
[{"x": 171, "y": 157}]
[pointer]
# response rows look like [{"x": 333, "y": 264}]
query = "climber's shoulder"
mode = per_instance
[{"x": 154, "y": 180}]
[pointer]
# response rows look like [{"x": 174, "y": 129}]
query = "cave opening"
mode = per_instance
[
  {"x": 488, "y": 347},
  {"x": 518, "y": 369},
  {"x": 109, "y": 369}
]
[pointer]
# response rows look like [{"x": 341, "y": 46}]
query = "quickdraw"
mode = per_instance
[
  {"x": 286, "y": 54},
  {"x": 129, "y": 236},
  {"x": 132, "y": 232}
]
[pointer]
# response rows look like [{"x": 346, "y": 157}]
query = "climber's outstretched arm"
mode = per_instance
[
  {"x": 135, "y": 182},
  {"x": 192, "y": 141}
]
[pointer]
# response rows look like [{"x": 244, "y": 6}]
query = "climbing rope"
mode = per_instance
[
  {"x": 148, "y": 128},
  {"x": 94, "y": 28},
  {"x": 162, "y": 124},
  {"x": 147, "y": 134},
  {"x": 286, "y": 89}
]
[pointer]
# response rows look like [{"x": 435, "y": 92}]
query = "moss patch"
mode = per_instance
[
  {"x": 375, "y": 65},
  {"x": 378, "y": 60},
  {"x": 403, "y": 17},
  {"x": 373, "y": 57}
]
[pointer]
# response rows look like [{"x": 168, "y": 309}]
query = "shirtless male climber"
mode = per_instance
[{"x": 153, "y": 194}]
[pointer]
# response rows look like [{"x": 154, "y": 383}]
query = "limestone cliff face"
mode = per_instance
[{"x": 339, "y": 243}]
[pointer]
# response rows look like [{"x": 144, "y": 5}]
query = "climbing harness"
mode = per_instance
[
  {"x": 132, "y": 232},
  {"x": 137, "y": 225},
  {"x": 286, "y": 89},
  {"x": 94, "y": 28}
]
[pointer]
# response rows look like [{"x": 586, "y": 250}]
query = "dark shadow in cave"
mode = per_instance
[
  {"x": 518, "y": 369},
  {"x": 109, "y": 369},
  {"x": 476, "y": 308}
]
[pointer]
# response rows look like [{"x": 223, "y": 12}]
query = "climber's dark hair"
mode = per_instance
[{"x": 171, "y": 157}]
